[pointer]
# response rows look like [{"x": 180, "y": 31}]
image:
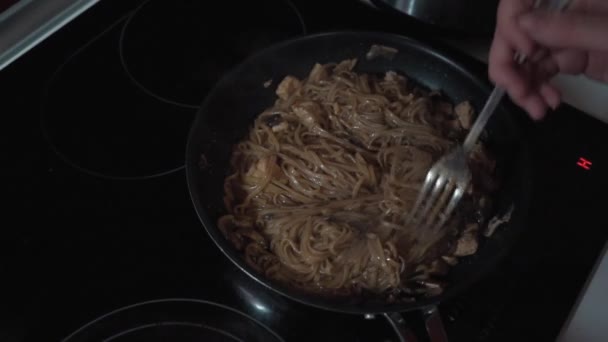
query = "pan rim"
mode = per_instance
[{"x": 315, "y": 300}]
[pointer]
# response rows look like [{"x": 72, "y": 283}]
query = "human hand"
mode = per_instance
[{"x": 571, "y": 42}]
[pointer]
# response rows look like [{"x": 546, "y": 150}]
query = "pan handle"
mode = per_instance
[
  {"x": 432, "y": 321},
  {"x": 401, "y": 329},
  {"x": 434, "y": 324}
]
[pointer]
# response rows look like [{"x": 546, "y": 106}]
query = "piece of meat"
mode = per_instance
[
  {"x": 280, "y": 127},
  {"x": 265, "y": 167},
  {"x": 309, "y": 114},
  {"x": 390, "y": 76},
  {"x": 450, "y": 260},
  {"x": 466, "y": 245},
  {"x": 381, "y": 51},
  {"x": 346, "y": 65},
  {"x": 464, "y": 112},
  {"x": 288, "y": 86},
  {"x": 318, "y": 73}
]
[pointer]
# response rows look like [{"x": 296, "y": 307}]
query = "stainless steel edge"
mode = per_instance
[
  {"x": 29, "y": 22},
  {"x": 404, "y": 334},
  {"x": 588, "y": 320},
  {"x": 434, "y": 325}
]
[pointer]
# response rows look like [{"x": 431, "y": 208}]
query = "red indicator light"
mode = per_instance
[{"x": 584, "y": 163}]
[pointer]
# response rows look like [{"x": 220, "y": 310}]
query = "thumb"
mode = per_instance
[{"x": 572, "y": 30}]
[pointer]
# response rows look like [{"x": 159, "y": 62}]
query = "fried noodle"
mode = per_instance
[{"x": 321, "y": 188}]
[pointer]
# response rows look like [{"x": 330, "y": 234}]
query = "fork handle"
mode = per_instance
[
  {"x": 482, "y": 119},
  {"x": 498, "y": 92}
]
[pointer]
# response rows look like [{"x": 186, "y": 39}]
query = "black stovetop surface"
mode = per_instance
[{"x": 97, "y": 214}]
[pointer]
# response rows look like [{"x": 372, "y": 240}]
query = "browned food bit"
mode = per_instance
[
  {"x": 283, "y": 126},
  {"x": 288, "y": 87},
  {"x": 450, "y": 260},
  {"x": 464, "y": 111},
  {"x": 319, "y": 73},
  {"x": 391, "y": 76},
  {"x": 445, "y": 117},
  {"x": 345, "y": 65},
  {"x": 310, "y": 114},
  {"x": 466, "y": 245},
  {"x": 496, "y": 221},
  {"x": 264, "y": 168},
  {"x": 381, "y": 51}
]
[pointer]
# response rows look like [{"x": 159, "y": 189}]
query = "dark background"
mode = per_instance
[{"x": 74, "y": 246}]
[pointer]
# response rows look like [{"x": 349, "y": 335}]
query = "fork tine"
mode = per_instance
[
  {"x": 454, "y": 200},
  {"x": 437, "y": 189},
  {"x": 435, "y": 219},
  {"x": 439, "y": 203},
  {"x": 426, "y": 187}
]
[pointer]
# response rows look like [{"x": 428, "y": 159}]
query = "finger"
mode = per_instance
[
  {"x": 522, "y": 43},
  {"x": 535, "y": 106},
  {"x": 551, "y": 96},
  {"x": 547, "y": 68},
  {"x": 570, "y": 61},
  {"x": 538, "y": 73},
  {"x": 572, "y": 30},
  {"x": 538, "y": 55},
  {"x": 529, "y": 98},
  {"x": 508, "y": 27},
  {"x": 503, "y": 70}
]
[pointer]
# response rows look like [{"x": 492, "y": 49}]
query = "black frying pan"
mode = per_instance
[{"x": 240, "y": 96}]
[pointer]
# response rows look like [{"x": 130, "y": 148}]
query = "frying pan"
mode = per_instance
[{"x": 231, "y": 107}]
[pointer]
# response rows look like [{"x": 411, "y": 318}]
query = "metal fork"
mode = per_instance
[{"x": 448, "y": 179}]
